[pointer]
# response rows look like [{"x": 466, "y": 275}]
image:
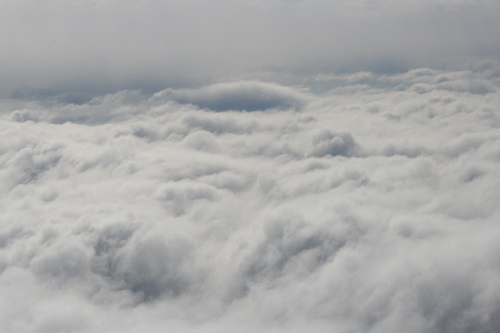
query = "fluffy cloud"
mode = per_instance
[
  {"x": 248, "y": 96},
  {"x": 369, "y": 207}
]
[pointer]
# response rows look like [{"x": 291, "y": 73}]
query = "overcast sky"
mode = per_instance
[
  {"x": 249, "y": 166},
  {"x": 80, "y": 46}
]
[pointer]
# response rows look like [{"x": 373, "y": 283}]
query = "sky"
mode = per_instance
[
  {"x": 82, "y": 48},
  {"x": 251, "y": 166}
]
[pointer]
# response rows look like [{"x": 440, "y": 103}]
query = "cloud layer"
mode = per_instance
[
  {"x": 242, "y": 95},
  {"x": 370, "y": 207}
]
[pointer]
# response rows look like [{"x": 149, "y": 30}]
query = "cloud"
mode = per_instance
[
  {"x": 152, "y": 267},
  {"x": 328, "y": 143},
  {"x": 243, "y": 95},
  {"x": 362, "y": 202}
]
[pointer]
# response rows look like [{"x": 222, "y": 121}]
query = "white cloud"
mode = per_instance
[{"x": 369, "y": 208}]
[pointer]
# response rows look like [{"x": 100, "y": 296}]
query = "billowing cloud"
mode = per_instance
[
  {"x": 370, "y": 207},
  {"x": 251, "y": 166},
  {"x": 247, "y": 96}
]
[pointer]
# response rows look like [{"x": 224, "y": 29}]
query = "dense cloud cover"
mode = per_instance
[
  {"x": 249, "y": 166},
  {"x": 370, "y": 207}
]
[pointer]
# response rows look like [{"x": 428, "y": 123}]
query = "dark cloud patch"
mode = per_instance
[
  {"x": 110, "y": 239},
  {"x": 409, "y": 151},
  {"x": 62, "y": 262},
  {"x": 219, "y": 125},
  {"x": 152, "y": 267},
  {"x": 178, "y": 197},
  {"x": 10, "y": 235},
  {"x": 241, "y": 96},
  {"x": 333, "y": 144},
  {"x": 29, "y": 164},
  {"x": 291, "y": 246},
  {"x": 202, "y": 140},
  {"x": 100, "y": 109}
]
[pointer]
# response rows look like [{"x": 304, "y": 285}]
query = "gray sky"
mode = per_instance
[{"x": 93, "y": 47}]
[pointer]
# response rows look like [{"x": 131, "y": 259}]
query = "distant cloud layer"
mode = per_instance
[
  {"x": 364, "y": 202},
  {"x": 82, "y": 48}
]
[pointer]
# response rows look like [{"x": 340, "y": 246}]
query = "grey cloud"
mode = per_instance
[
  {"x": 291, "y": 246},
  {"x": 333, "y": 144},
  {"x": 230, "y": 180},
  {"x": 218, "y": 124},
  {"x": 108, "y": 241},
  {"x": 28, "y": 165},
  {"x": 240, "y": 96},
  {"x": 177, "y": 197},
  {"x": 421, "y": 80},
  {"x": 152, "y": 267},
  {"x": 63, "y": 262},
  {"x": 243, "y": 95},
  {"x": 202, "y": 140}
]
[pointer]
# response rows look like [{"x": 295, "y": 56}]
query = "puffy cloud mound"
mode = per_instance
[
  {"x": 328, "y": 143},
  {"x": 242, "y": 95},
  {"x": 371, "y": 207}
]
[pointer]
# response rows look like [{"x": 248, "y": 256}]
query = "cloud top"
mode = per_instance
[
  {"x": 241, "y": 95},
  {"x": 372, "y": 207}
]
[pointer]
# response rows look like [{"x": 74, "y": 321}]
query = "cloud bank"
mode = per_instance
[
  {"x": 371, "y": 206},
  {"x": 242, "y": 95}
]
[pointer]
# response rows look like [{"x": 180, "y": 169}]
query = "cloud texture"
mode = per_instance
[
  {"x": 369, "y": 207},
  {"x": 251, "y": 166}
]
